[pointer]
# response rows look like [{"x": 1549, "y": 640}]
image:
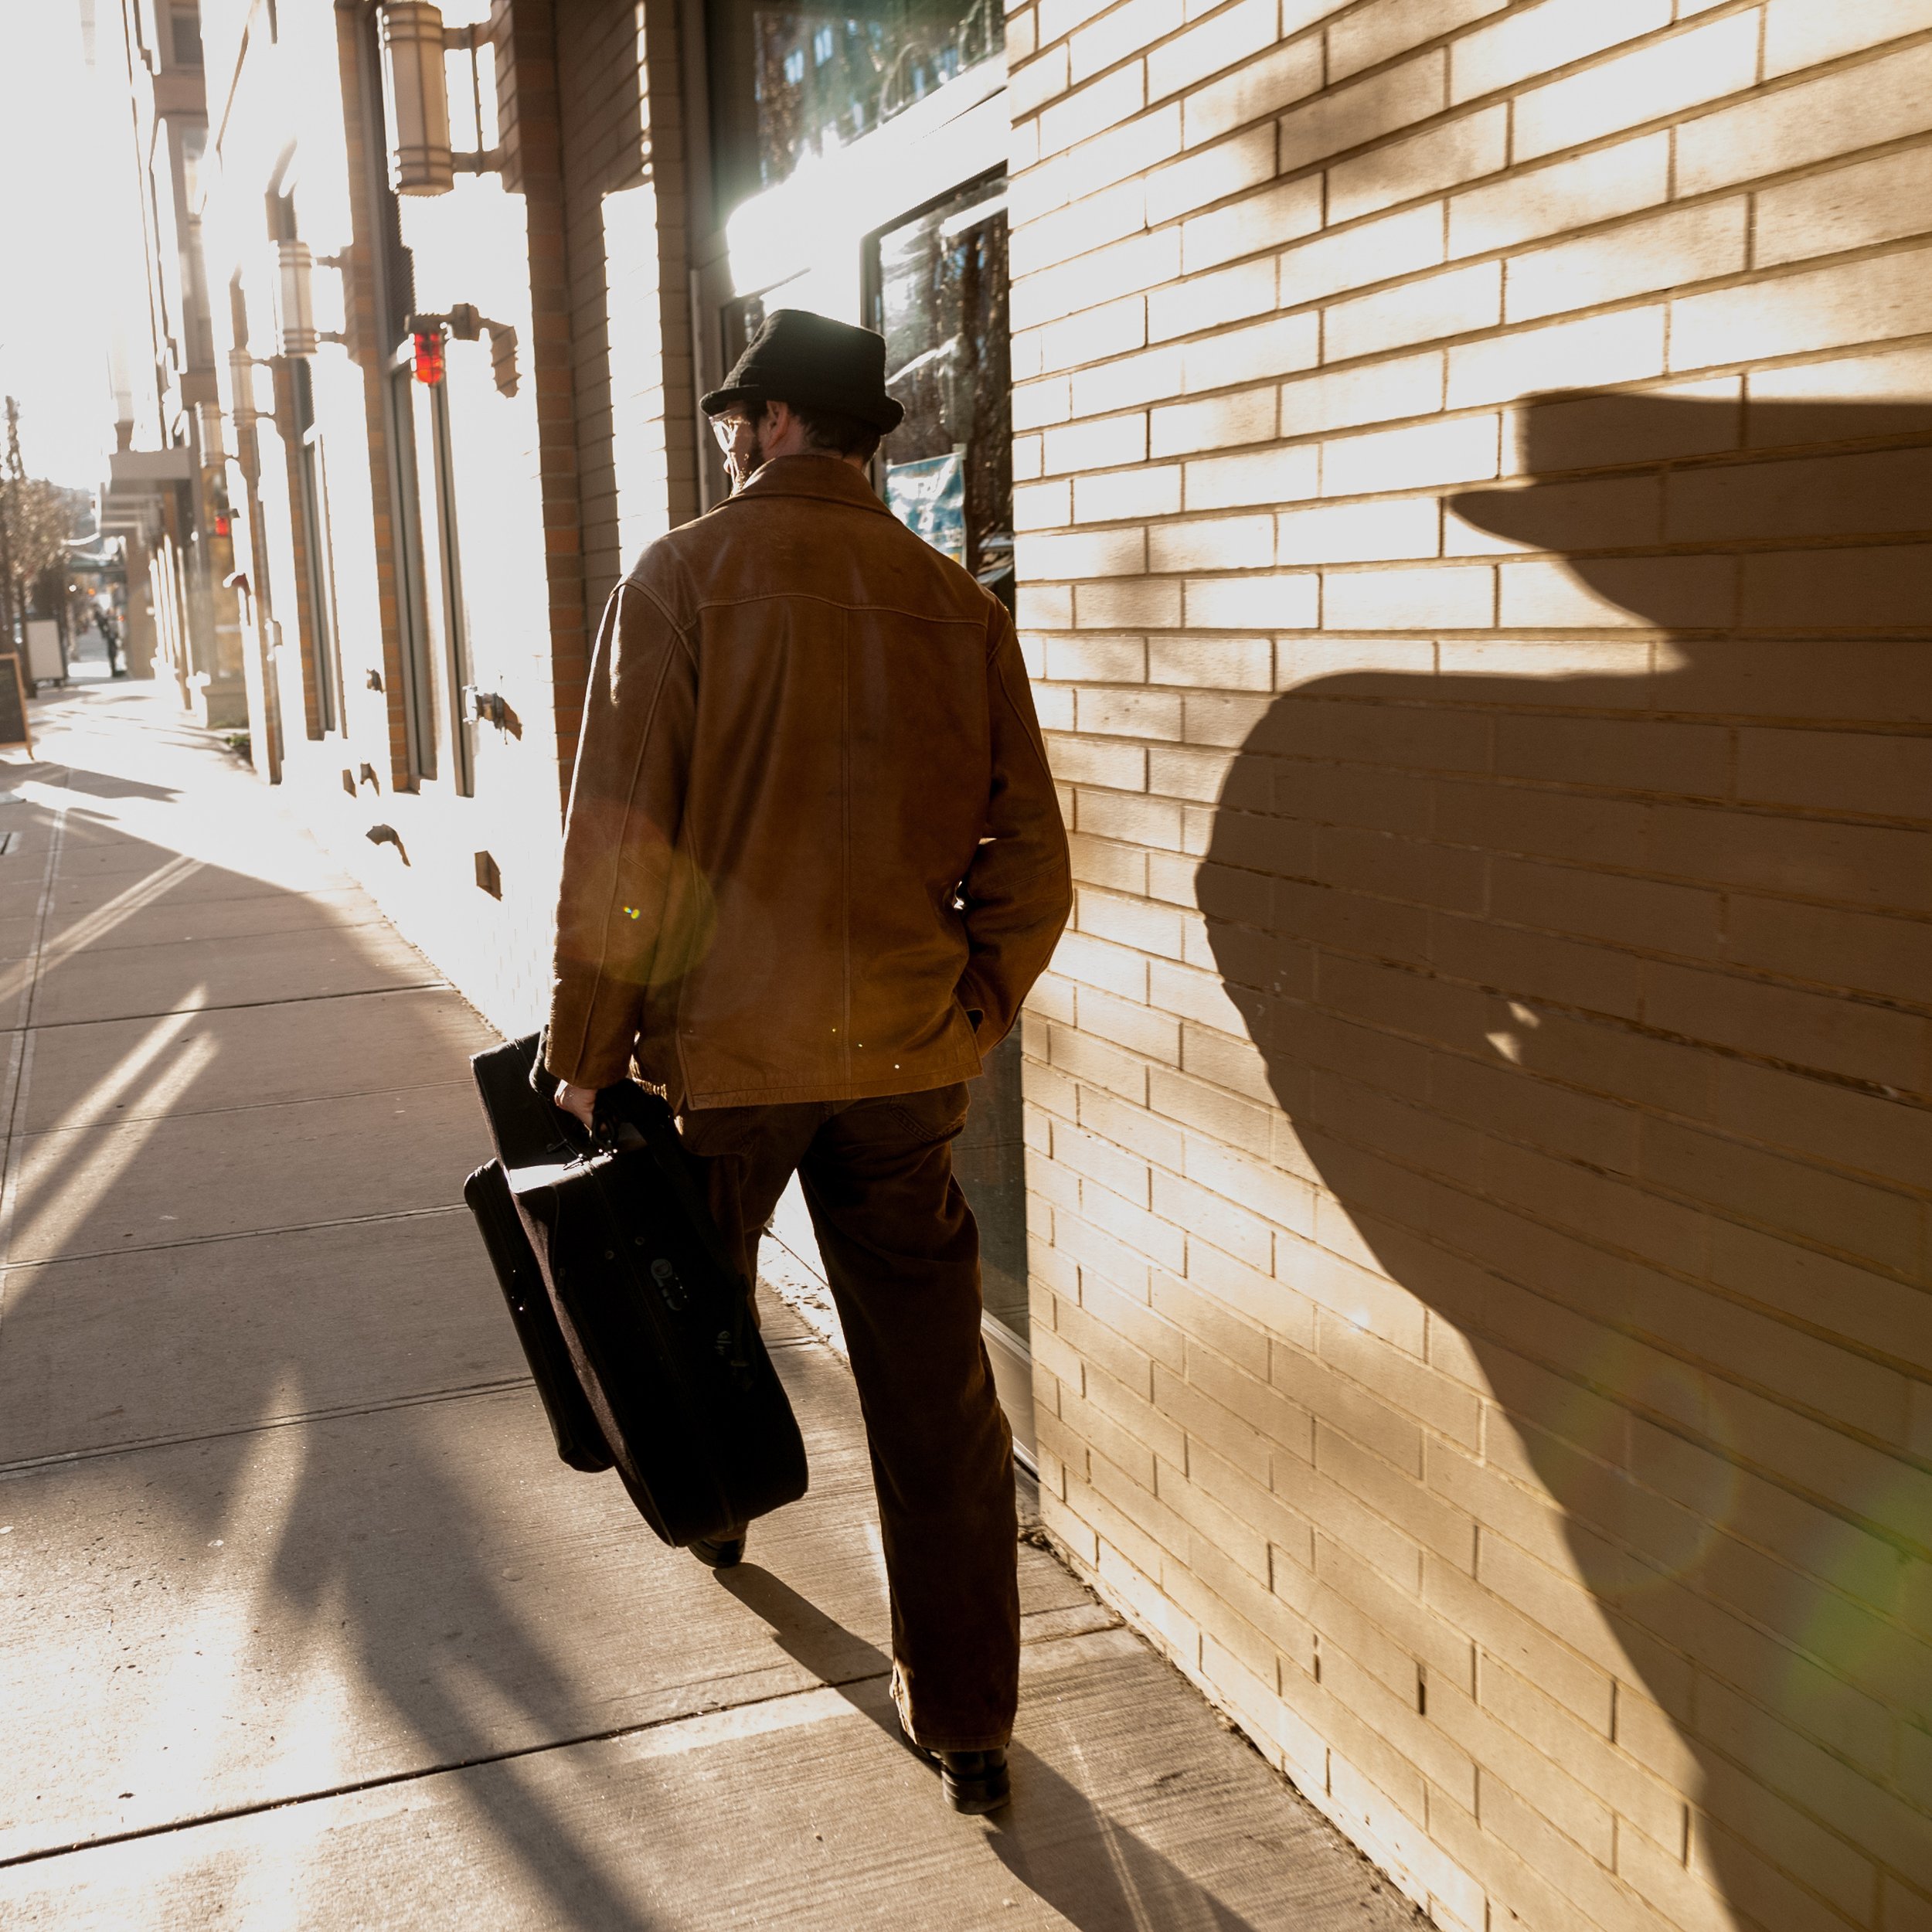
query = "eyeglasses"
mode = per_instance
[{"x": 726, "y": 428}]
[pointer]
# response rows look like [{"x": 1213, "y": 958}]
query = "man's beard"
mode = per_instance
[{"x": 752, "y": 462}]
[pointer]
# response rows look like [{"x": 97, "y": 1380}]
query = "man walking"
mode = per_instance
[{"x": 813, "y": 863}]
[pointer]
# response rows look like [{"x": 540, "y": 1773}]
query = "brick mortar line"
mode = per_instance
[
  {"x": 1349, "y": 1825},
  {"x": 1551, "y": 636},
  {"x": 1663, "y": 296},
  {"x": 1887, "y": 1002},
  {"x": 1902, "y": 1096},
  {"x": 1352, "y": 1827},
  {"x": 1726, "y": 720},
  {"x": 1883, "y": 1270},
  {"x": 1608, "y": 1022},
  {"x": 1212, "y": 518},
  {"x": 1804, "y": 543},
  {"x": 1713, "y": 463},
  {"x": 1897, "y": 1538},
  {"x": 1147, "y": 51},
  {"x": 1527, "y": 1492},
  {"x": 1906, "y": 1097},
  {"x": 1748, "y": 187},
  {"x": 1884, "y": 1781},
  {"x": 1880, "y": 1780},
  {"x": 1760, "y": 88},
  {"x": 1896, "y": 1364},
  {"x": 1795, "y": 813},
  {"x": 1636, "y": 1184},
  {"x": 1448, "y": 193},
  {"x": 1638, "y": 386},
  {"x": 1316, "y": 1186}
]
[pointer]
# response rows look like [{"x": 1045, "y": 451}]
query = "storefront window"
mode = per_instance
[
  {"x": 941, "y": 307},
  {"x": 789, "y": 84},
  {"x": 947, "y": 471}
]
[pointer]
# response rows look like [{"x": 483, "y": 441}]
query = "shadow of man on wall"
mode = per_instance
[{"x": 1587, "y": 956}]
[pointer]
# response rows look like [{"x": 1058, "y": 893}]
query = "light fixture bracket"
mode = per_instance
[{"x": 416, "y": 97}]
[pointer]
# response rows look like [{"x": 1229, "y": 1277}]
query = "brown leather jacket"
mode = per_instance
[{"x": 814, "y": 851}]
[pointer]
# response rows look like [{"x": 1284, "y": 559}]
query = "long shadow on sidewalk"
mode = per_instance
[
  {"x": 1099, "y": 1875},
  {"x": 249, "y": 1367}
]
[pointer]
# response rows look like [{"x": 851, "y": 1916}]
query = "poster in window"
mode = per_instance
[{"x": 929, "y": 496}]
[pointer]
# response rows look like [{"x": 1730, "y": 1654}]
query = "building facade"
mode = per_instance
[
  {"x": 165, "y": 492},
  {"x": 1462, "y": 469}
]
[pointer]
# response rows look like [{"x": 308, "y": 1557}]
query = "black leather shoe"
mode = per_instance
[
  {"x": 975, "y": 1782},
  {"x": 719, "y": 1552}
]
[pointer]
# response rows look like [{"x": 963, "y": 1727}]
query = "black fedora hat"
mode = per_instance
[{"x": 812, "y": 362}]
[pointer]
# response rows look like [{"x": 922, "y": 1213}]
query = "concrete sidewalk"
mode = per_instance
[{"x": 305, "y": 1624}]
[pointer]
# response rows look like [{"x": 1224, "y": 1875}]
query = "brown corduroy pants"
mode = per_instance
[{"x": 902, "y": 1253}]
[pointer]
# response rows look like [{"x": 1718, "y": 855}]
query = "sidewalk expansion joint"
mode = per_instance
[
  {"x": 233, "y": 1006},
  {"x": 40, "y": 1465},
  {"x": 231, "y": 1234},
  {"x": 109, "y": 944},
  {"x": 249, "y": 1106},
  {"x": 422, "y": 1774}
]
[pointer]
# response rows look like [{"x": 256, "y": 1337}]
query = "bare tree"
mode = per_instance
[{"x": 36, "y": 519}]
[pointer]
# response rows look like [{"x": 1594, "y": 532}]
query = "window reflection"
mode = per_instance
[
  {"x": 941, "y": 307},
  {"x": 790, "y": 84},
  {"x": 941, "y": 303}
]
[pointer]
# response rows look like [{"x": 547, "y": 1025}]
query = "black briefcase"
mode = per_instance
[{"x": 637, "y": 1327}]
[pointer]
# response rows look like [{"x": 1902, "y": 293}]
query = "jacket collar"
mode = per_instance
[{"x": 827, "y": 476}]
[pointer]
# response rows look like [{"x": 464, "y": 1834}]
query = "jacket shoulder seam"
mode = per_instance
[
  {"x": 836, "y": 603},
  {"x": 681, "y": 632}
]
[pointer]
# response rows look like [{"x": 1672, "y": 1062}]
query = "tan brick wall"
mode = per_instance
[{"x": 1475, "y": 480}]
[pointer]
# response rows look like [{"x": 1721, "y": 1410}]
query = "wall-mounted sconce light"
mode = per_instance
[
  {"x": 241, "y": 384},
  {"x": 417, "y": 98},
  {"x": 296, "y": 334},
  {"x": 214, "y": 449},
  {"x": 465, "y": 324}
]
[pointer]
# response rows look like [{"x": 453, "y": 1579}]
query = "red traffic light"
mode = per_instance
[{"x": 428, "y": 356}]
